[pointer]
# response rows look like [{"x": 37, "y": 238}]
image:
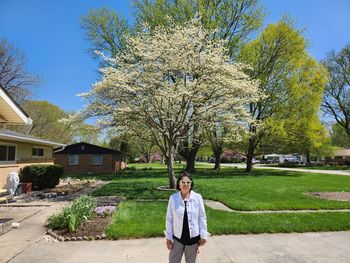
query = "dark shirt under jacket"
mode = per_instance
[{"x": 185, "y": 236}]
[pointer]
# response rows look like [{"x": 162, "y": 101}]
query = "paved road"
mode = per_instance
[{"x": 339, "y": 172}]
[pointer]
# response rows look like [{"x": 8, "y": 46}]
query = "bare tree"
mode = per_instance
[
  {"x": 336, "y": 99},
  {"x": 13, "y": 76}
]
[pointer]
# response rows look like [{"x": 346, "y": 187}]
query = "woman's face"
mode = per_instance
[{"x": 185, "y": 184}]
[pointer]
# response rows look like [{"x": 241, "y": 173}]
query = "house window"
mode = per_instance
[
  {"x": 38, "y": 152},
  {"x": 7, "y": 153},
  {"x": 73, "y": 159},
  {"x": 97, "y": 159}
]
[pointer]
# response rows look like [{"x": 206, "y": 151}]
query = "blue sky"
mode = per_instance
[{"x": 49, "y": 34}]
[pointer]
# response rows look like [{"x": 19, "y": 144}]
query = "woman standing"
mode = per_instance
[{"x": 186, "y": 222}]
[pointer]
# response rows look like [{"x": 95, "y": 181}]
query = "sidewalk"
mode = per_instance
[
  {"x": 32, "y": 220},
  {"x": 329, "y": 247},
  {"x": 25, "y": 244}
]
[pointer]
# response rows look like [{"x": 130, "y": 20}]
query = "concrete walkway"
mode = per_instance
[
  {"x": 329, "y": 247},
  {"x": 220, "y": 206},
  {"x": 25, "y": 244},
  {"x": 31, "y": 220}
]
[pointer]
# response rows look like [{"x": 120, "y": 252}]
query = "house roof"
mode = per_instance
[
  {"x": 19, "y": 137},
  {"x": 342, "y": 152},
  {"x": 85, "y": 148},
  {"x": 10, "y": 111}
]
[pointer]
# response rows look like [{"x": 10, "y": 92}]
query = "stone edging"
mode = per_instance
[{"x": 84, "y": 238}]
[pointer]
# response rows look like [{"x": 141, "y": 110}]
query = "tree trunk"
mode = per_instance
[
  {"x": 250, "y": 155},
  {"x": 170, "y": 170},
  {"x": 308, "y": 158},
  {"x": 217, "y": 165},
  {"x": 189, "y": 154},
  {"x": 191, "y": 161},
  {"x": 147, "y": 157}
]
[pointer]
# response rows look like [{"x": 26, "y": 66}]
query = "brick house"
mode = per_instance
[
  {"x": 340, "y": 157},
  {"x": 86, "y": 158}
]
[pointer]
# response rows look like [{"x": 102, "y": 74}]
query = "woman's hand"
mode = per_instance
[
  {"x": 202, "y": 242},
  {"x": 169, "y": 244}
]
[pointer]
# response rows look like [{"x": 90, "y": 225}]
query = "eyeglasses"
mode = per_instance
[{"x": 186, "y": 182}]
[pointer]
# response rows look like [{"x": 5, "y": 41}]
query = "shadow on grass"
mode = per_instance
[
  {"x": 200, "y": 173},
  {"x": 138, "y": 189}
]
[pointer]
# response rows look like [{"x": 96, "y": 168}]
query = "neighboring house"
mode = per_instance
[
  {"x": 85, "y": 158},
  {"x": 340, "y": 157},
  {"x": 18, "y": 150}
]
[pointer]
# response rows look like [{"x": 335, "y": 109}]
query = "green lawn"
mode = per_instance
[
  {"x": 261, "y": 190},
  {"x": 147, "y": 219}
]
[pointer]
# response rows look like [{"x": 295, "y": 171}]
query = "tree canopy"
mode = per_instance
[
  {"x": 13, "y": 76},
  {"x": 168, "y": 79},
  {"x": 291, "y": 80},
  {"x": 336, "y": 100}
]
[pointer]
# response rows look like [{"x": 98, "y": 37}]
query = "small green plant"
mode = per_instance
[{"x": 74, "y": 215}]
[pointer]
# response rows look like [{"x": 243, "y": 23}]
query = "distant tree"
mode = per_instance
[
  {"x": 162, "y": 89},
  {"x": 83, "y": 132},
  {"x": 338, "y": 136},
  {"x": 336, "y": 100},
  {"x": 13, "y": 76},
  {"x": 232, "y": 20},
  {"x": 205, "y": 151},
  {"x": 105, "y": 30},
  {"x": 46, "y": 124},
  {"x": 133, "y": 146},
  {"x": 291, "y": 80}
]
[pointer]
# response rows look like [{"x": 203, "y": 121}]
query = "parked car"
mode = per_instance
[
  {"x": 293, "y": 160},
  {"x": 255, "y": 161},
  {"x": 212, "y": 160}
]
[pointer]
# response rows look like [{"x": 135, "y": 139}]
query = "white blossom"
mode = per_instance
[{"x": 169, "y": 79}]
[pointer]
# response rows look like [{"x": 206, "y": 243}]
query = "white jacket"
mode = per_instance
[{"x": 197, "y": 219}]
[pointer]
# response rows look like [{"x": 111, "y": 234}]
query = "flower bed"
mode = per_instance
[{"x": 92, "y": 228}]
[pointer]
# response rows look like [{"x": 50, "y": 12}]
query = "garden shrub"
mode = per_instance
[
  {"x": 74, "y": 215},
  {"x": 41, "y": 176}
]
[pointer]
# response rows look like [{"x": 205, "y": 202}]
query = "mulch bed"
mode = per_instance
[
  {"x": 337, "y": 196},
  {"x": 92, "y": 229}
]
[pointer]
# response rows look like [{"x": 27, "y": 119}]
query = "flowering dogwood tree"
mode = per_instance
[{"x": 166, "y": 81}]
